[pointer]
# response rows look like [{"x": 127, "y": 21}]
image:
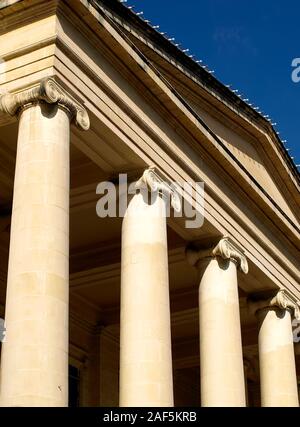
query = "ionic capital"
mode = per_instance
[
  {"x": 49, "y": 91},
  {"x": 226, "y": 249},
  {"x": 282, "y": 300},
  {"x": 154, "y": 182}
]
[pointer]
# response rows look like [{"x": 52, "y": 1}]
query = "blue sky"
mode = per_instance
[{"x": 249, "y": 44}]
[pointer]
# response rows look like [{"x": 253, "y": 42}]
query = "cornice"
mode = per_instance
[
  {"x": 273, "y": 215},
  {"x": 20, "y": 13},
  {"x": 283, "y": 300},
  {"x": 50, "y": 92},
  {"x": 189, "y": 168},
  {"x": 264, "y": 202},
  {"x": 52, "y": 40},
  {"x": 140, "y": 30},
  {"x": 226, "y": 249},
  {"x": 254, "y": 135}
]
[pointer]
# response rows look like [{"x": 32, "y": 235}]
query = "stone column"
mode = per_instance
[
  {"x": 278, "y": 380},
  {"x": 34, "y": 362},
  {"x": 221, "y": 358},
  {"x": 145, "y": 342}
]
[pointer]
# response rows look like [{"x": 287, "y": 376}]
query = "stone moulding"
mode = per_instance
[
  {"x": 49, "y": 91},
  {"x": 154, "y": 182},
  {"x": 281, "y": 300},
  {"x": 225, "y": 249}
]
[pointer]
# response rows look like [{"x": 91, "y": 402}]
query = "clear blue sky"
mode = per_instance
[{"x": 249, "y": 43}]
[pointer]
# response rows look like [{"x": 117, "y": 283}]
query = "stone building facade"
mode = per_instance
[{"x": 139, "y": 310}]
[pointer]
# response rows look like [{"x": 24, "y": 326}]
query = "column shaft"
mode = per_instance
[
  {"x": 222, "y": 375},
  {"x": 145, "y": 358},
  {"x": 34, "y": 362},
  {"x": 278, "y": 378}
]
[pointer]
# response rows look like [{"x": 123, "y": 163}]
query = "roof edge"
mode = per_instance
[{"x": 220, "y": 89}]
